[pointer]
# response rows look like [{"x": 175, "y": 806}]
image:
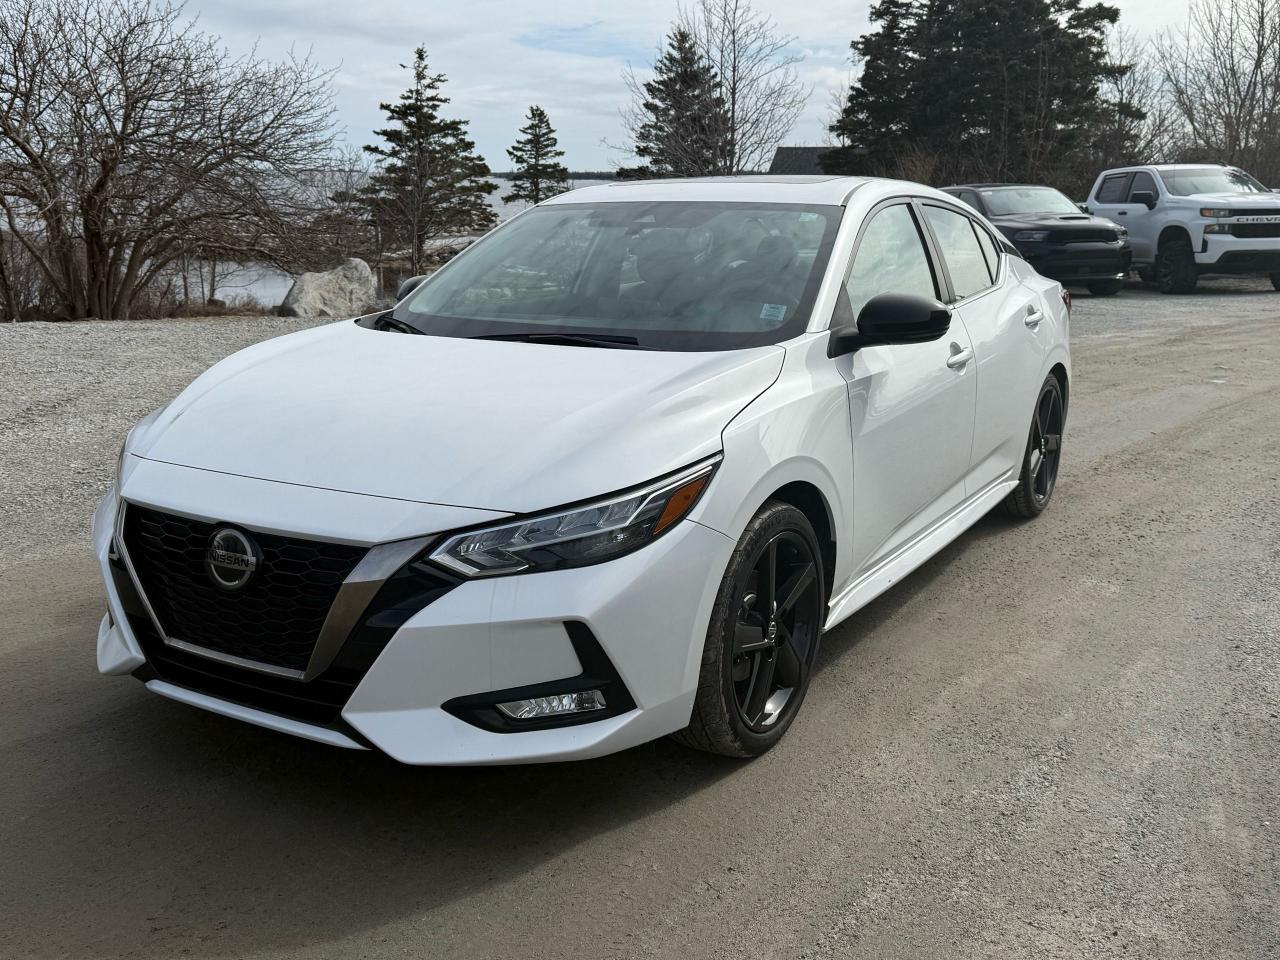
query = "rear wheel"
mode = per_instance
[
  {"x": 762, "y": 639},
  {"x": 1044, "y": 452},
  {"x": 1176, "y": 268},
  {"x": 1106, "y": 288}
]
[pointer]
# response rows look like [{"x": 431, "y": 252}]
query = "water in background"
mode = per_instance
[{"x": 268, "y": 285}]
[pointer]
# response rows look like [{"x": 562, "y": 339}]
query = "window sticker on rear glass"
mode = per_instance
[{"x": 773, "y": 312}]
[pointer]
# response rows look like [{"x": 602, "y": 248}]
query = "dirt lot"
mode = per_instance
[{"x": 1055, "y": 740}]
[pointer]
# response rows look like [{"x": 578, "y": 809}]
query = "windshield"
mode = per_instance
[
  {"x": 1011, "y": 200},
  {"x": 658, "y": 275},
  {"x": 1189, "y": 181}
]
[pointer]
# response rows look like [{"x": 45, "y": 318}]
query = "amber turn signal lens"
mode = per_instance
[{"x": 680, "y": 503}]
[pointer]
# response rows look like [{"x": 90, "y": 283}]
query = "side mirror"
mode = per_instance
[
  {"x": 892, "y": 318},
  {"x": 408, "y": 286},
  {"x": 1144, "y": 197},
  {"x": 1084, "y": 207}
]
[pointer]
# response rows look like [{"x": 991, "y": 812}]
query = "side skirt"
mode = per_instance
[{"x": 911, "y": 555}]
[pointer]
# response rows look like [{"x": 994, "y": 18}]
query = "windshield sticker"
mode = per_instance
[{"x": 773, "y": 312}]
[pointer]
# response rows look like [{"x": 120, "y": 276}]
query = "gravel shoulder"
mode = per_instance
[{"x": 1057, "y": 739}]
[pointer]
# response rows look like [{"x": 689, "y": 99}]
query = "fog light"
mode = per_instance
[{"x": 555, "y": 706}]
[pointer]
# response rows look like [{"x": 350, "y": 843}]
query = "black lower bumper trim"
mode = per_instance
[{"x": 598, "y": 673}]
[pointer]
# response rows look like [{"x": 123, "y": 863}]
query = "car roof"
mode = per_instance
[
  {"x": 817, "y": 190},
  {"x": 998, "y": 186}
]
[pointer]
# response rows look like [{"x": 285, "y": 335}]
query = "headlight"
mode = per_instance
[
  {"x": 1214, "y": 213},
  {"x": 578, "y": 536},
  {"x": 1031, "y": 236},
  {"x": 1217, "y": 228},
  {"x": 1122, "y": 233}
]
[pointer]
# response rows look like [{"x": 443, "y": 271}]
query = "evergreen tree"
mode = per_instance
[
  {"x": 683, "y": 128},
  {"x": 430, "y": 182},
  {"x": 538, "y": 174},
  {"x": 977, "y": 89}
]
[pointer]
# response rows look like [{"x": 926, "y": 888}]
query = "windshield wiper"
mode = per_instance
[
  {"x": 570, "y": 339},
  {"x": 388, "y": 321}
]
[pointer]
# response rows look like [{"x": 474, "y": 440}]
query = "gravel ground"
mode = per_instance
[{"x": 1057, "y": 739}]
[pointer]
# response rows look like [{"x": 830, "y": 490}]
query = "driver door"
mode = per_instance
[{"x": 911, "y": 406}]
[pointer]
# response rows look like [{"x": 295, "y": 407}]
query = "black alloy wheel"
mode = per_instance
[
  {"x": 1176, "y": 268},
  {"x": 762, "y": 639},
  {"x": 1044, "y": 453}
]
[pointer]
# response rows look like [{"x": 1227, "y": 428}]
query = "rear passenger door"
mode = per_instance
[{"x": 1004, "y": 322}]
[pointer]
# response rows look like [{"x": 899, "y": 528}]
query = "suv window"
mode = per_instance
[
  {"x": 1114, "y": 188},
  {"x": 1143, "y": 181},
  {"x": 891, "y": 259},
  {"x": 965, "y": 260}
]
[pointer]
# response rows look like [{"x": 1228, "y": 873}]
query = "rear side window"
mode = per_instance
[
  {"x": 890, "y": 259},
  {"x": 1114, "y": 188},
  {"x": 966, "y": 262},
  {"x": 1142, "y": 181}
]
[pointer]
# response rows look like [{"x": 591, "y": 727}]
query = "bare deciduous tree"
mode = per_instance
[
  {"x": 129, "y": 140},
  {"x": 1222, "y": 72},
  {"x": 763, "y": 94}
]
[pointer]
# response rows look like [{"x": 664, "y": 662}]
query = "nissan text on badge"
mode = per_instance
[{"x": 607, "y": 476}]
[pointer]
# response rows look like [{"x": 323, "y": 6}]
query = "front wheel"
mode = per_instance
[
  {"x": 1176, "y": 268},
  {"x": 1106, "y": 288},
  {"x": 762, "y": 639},
  {"x": 1044, "y": 452}
]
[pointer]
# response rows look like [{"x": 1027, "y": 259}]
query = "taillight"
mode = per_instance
[{"x": 1066, "y": 299}]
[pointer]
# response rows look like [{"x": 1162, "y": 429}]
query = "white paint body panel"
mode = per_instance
[{"x": 364, "y": 437}]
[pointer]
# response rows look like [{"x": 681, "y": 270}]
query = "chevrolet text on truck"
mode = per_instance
[{"x": 1186, "y": 221}]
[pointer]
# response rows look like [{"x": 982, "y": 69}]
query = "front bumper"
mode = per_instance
[
  {"x": 648, "y": 611},
  {"x": 1078, "y": 262},
  {"x": 1225, "y": 254}
]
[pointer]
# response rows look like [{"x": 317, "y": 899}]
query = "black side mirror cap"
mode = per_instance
[
  {"x": 892, "y": 318},
  {"x": 1144, "y": 197},
  {"x": 408, "y": 286}
]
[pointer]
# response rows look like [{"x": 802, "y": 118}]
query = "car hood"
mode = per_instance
[
  {"x": 1260, "y": 201},
  {"x": 1058, "y": 222},
  {"x": 511, "y": 427}
]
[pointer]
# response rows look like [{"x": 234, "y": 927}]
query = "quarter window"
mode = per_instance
[
  {"x": 891, "y": 259},
  {"x": 989, "y": 251},
  {"x": 965, "y": 260}
]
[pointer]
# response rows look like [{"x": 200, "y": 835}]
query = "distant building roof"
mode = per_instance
[{"x": 793, "y": 160}]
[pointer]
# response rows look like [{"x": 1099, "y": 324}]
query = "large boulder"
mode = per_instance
[{"x": 344, "y": 291}]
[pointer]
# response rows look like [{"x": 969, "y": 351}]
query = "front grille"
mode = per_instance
[
  {"x": 1267, "y": 212},
  {"x": 1255, "y": 231},
  {"x": 1085, "y": 235},
  {"x": 275, "y": 619}
]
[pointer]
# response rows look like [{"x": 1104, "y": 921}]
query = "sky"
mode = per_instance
[{"x": 567, "y": 56}]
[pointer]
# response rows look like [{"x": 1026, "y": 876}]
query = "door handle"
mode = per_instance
[
  {"x": 959, "y": 356},
  {"x": 1123, "y": 213},
  {"x": 1033, "y": 317}
]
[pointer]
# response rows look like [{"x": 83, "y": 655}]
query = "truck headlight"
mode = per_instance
[
  {"x": 1214, "y": 213},
  {"x": 578, "y": 536}
]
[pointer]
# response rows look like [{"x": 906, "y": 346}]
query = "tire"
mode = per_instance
[
  {"x": 1275, "y": 280},
  {"x": 1105, "y": 288},
  {"x": 753, "y": 677},
  {"x": 1040, "y": 463},
  {"x": 1176, "y": 268}
]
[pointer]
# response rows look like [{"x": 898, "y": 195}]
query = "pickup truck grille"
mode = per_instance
[
  {"x": 1255, "y": 231},
  {"x": 1091, "y": 235}
]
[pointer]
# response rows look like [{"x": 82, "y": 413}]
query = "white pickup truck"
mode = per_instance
[{"x": 1186, "y": 221}]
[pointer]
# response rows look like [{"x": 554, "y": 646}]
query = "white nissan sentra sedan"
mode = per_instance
[{"x": 605, "y": 477}]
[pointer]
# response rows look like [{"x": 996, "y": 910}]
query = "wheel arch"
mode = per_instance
[
  {"x": 1059, "y": 370},
  {"x": 809, "y": 500},
  {"x": 1171, "y": 234}
]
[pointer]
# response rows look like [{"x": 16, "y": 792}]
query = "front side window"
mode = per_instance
[
  {"x": 669, "y": 275},
  {"x": 960, "y": 249},
  {"x": 890, "y": 259},
  {"x": 1189, "y": 181},
  {"x": 1143, "y": 182}
]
